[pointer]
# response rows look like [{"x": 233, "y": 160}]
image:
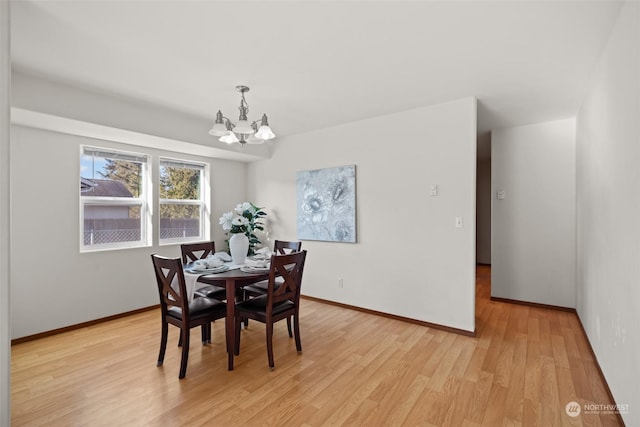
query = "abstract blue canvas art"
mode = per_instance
[{"x": 327, "y": 204}]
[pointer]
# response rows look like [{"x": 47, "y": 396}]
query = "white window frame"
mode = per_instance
[
  {"x": 203, "y": 201},
  {"x": 142, "y": 202}
]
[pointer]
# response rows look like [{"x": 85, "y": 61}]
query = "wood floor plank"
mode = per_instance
[
  {"x": 460, "y": 406},
  {"x": 524, "y": 365},
  {"x": 514, "y": 405},
  {"x": 480, "y": 397},
  {"x": 401, "y": 409},
  {"x": 495, "y": 413}
]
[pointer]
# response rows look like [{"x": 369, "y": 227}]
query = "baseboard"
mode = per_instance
[
  {"x": 393, "y": 316},
  {"x": 534, "y": 304},
  {"x": 81, "y": 325}
]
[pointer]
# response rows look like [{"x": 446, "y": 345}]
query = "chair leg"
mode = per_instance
[
  {"x": 270, "y": 344},
  {"x": 203, "y": 332},
  {"x": 238, "y": 322},
  {"x": 296, "y": 328},
  {"x": 209, "y": 333},
  {"x": 185, "y": 354},
  {"x": 289, "y": 327},
  {"x": 242, "y": 296},
  {"x": 180, "y": 339},
  {"x": 163, "y": 342}
]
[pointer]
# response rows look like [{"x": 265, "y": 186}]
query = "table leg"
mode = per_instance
[{"x": 230, "y": 320}]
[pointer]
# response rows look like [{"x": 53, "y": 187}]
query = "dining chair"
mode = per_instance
[
  {"x": 194, "y": 251},
  {"x": 280, "y": 302},
  {"x": 280, "y": 247},
  {"x": 176, "y": 309}
]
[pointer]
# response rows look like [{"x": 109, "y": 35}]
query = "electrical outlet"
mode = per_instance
[
  {"x": 434, "y": 190},
  {"x": 340, "y": 282}
]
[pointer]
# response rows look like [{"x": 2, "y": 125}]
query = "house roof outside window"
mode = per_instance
[{"x": 103, "y": 188}]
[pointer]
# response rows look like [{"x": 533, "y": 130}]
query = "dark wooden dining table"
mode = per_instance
[{"x": 232, "y": 280}]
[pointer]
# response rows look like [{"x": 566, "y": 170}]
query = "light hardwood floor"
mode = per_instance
[{"x": 522, "y": 368}]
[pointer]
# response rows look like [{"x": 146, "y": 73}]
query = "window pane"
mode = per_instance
[
  {"x": 104, "y": 224},
  {"x": 179, "y": 183},
  {"x": 107, "y": 177},
  {"x": 179, "y": 221},
  {"x": 181, "y": 180},
  {"x": 113, "y": 200}
]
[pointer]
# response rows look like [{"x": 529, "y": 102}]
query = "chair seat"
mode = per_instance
[
  {"x": 261, "y": 287},
  {"x": 211, "y": 291},
  {"x": 259, "y": 305},
  {"x": 199, "y": 307}
]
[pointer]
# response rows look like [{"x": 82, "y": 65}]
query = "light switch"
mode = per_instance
[
  {"x": 459, "y": 223},
  {"x": 434, "y": 190}
]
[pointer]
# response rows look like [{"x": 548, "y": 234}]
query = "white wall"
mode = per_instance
[
  {"x": 533, "y": 227},
  {"x": 409, "y": 259},
  {"x": 54, "y": 285},
  {"x": 5, "y": 230},
  {"x": 608, "y": 231}
]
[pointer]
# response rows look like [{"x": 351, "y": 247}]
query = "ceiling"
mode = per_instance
[{"x": 315, "y": 64}]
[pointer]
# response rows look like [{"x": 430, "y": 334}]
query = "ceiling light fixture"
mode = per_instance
[{"x": 242, "y": 131}]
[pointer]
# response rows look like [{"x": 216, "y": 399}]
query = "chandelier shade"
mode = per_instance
[
  {"x": 219, "y": 127},
  {"x": 264, "y": 132},
  {"x": 243, "y": 126},
  {"x": 229, "y": 139},
  {"x": 242, "y": 131},
  {"x": 254, "y": 140}
]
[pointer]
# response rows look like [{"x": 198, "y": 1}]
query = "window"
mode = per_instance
[
  {"x": 182, "y": 205},
  {"x": 113, "y": 199}
]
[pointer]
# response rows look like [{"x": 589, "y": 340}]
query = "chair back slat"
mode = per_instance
[
  {"x": 289, "y": 268},
  {"x": 172, "y": 288},
  {"x": 194, "y": 251},
  {"x": 282, "y": 247}
]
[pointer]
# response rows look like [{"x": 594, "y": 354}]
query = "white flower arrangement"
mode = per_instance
[{"x": 246, "y": 219}]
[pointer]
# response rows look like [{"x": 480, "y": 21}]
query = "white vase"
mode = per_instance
[{"x": 239, "y": 247}]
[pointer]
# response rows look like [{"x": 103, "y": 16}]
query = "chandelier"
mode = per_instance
[{"x": 242, "y": 131}]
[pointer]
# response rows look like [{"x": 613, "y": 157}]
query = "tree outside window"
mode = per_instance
[{"x": 181, "y": 200}]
